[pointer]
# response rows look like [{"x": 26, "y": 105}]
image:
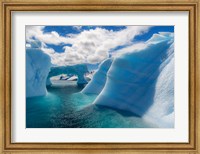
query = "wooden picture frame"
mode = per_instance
[{"x": 7, "y": 6}]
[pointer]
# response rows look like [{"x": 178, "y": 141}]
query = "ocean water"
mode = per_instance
[{"x": 66, "y": 107}]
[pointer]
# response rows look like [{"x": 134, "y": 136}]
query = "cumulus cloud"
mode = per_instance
[
  {"x": 78, "y": 28},
  {"x": 89, "y": 46},
  {"x": 36, "y": 32},
  {"x": 156, "y": 38},
  {"x": 32, "y": 32}
]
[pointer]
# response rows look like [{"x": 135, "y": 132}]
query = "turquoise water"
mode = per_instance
[{"x": 65, "y": 107}]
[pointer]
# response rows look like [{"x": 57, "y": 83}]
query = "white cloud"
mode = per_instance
[
  {"x": 78, "y": 28},
  {"x": 48, "y": 38},
  {"x": 89, "y": 46},
  {"x": 48, "y": 51},
  {"x": 156, "y": 38}
]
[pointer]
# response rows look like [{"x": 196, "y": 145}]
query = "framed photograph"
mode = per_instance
[{"x": 100, "y": 76}]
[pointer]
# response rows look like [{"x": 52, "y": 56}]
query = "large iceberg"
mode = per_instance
[
  {"x": 141, "y": 82},
  {"x": 37, "y": 69},
  {"x": 80, "y": 70},
  {"x": 99, "y": 79}
]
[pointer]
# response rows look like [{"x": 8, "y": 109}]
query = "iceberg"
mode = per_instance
[
  {"x": 99, "y": 79},
  {"x": 140, "y": 82},
  {"x": 37, "y": 69},
  {"x": 80, "y": 70}
]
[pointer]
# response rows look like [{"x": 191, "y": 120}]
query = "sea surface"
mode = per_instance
[{"x": 66, "y": 107}]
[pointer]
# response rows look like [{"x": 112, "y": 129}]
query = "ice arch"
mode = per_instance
[
  {"x": 39, "y": 70},
  {"x": 80, "y": 70}
]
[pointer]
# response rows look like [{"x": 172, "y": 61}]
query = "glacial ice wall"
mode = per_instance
[
  {"x": 162, "y": 110},
  {"x": 99, "y": 79},
  {"x": 37, "y": 68},
  {"x": 141, "y": 82},
  {"x": 80, "y": 70}
]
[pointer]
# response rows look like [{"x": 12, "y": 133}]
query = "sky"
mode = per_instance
[{"x": 71, "y": 45}]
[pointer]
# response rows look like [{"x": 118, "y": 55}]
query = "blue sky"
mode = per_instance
[{"x": 68, "y": 45}]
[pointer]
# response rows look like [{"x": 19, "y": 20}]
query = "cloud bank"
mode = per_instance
[{"x": 89, "y": 46}]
